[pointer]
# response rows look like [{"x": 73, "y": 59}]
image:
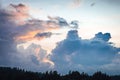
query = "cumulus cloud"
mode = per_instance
[
  {"x": 17, "y": 26},
  {"x": 34, "y": 58},
  {"x": 79, "y": 53}
]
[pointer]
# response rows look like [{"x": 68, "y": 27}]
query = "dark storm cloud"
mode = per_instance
[{"x": 75, "y": 51}]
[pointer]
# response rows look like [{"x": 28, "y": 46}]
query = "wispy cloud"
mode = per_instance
[{"x": 75, "y": 3}]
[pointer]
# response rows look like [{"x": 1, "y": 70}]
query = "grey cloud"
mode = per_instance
[
  {"x": 63, "y": 22},
  {"x": 89, "y": 52},
  {"x": 59, "y": 20},
  {"x": 92, "y": 4},
  {"x": 104, "y": 37},
  {"x": 33, "y": 58},
  {"x": 73, "y": 50},
  {"x": 7, "y": 45},
  {"x": 74, "y": 24},
  {"x": 44, "y": 34},
  {"x": 9, "y": 30}
]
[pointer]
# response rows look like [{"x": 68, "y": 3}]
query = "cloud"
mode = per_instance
[
  {"x": 92, "y": 4},
  {"x": 43, "y": 35},
  {"x": 18, "y": 13},
  {"x": 105, "y": 37},
  {"x": 17, "y": 26},
  {"x": 24, "y": 26},
  {"x": 74, "y": 24},
  {"x": 33, "y": 27},
  {"x": 40, "y": 36},
  {"x": 60, "y": 21},
  {"x": 7, "y": 45},
  {"x": 35, "y": 58},
  {"x": 75, "y": 51},
  {"x": 113, "y": 66},
  {"x": 75, "y": 3}
]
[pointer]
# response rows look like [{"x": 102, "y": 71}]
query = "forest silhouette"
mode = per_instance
[{"x": 7, "y": 73}]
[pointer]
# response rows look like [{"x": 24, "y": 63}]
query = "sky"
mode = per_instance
[{"x": 41, "y": 35}]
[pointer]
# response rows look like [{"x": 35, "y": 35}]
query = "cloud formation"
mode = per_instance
[
  {"x": 34, "y": 58},
  {"x": 17, "y": 26},
  {"x": 79, "y": 53},
  {"x": 24, "y": 26}
]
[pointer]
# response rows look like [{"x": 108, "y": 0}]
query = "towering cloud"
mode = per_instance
[{"x": 79, "y": 53}]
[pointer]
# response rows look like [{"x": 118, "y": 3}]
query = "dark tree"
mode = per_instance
[{"x": 7, "y": 73}]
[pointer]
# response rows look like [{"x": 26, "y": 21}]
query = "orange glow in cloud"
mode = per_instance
[
  {"x": 45, "y": 58},
  {"x": 27, "y": 37},
  {"x": 30, "y": 35},
  {"x": 37, "y": 50}
]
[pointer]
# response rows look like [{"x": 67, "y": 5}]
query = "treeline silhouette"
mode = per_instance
[{"x": 7, "y": 73}]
